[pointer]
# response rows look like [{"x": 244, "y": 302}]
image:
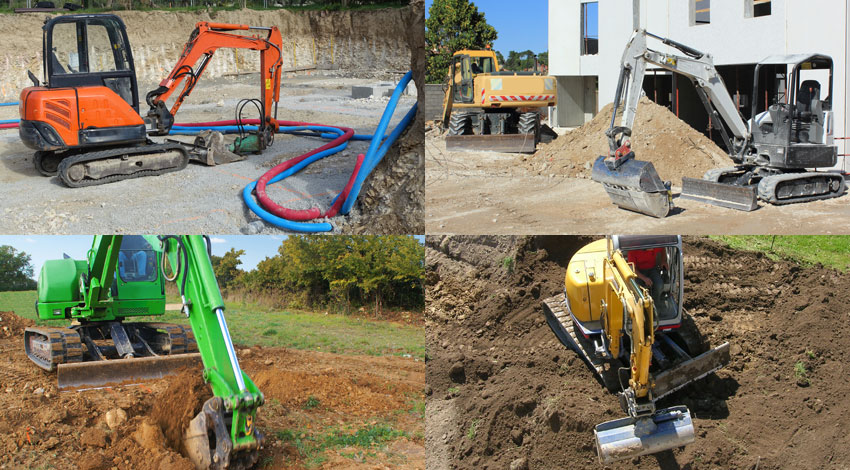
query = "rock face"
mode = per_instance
[{"x": 347, "y": 40}]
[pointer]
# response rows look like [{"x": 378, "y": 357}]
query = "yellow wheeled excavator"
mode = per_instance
[
  {"x": 621, "y": 311},
  {"x": 487, "y": 108}
]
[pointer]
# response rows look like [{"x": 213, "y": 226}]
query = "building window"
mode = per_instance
[
  {"x": 589, "y": 28},
  {"x": 700, "y": 12},
  {"x": 756, "y": 8}
]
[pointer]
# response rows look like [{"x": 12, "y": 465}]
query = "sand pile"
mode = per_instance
[{"x": 675, "y": 148}]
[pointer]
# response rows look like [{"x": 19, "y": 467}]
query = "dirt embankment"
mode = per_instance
[
  {"x": 140, "y": 427},
  {"x": 674, "y": 148},
  {"x": 393, "y": 198},
  {"x": 362, "y": 41},
  {"x": 504, "y": 393}
]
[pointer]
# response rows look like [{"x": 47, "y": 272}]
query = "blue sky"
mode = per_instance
[
  {"x": 521, "y": 25},
  {"x": 45, "y": 247}
]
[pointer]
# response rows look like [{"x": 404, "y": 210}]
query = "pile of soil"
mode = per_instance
[
  {"x": 140, "y": 427},
  {"x": 504, "y": 393},
  {"x": 13, "y": 325},
  {"x": 674, "y": 148}
]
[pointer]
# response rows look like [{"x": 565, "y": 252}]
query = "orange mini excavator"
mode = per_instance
[{"x": 84, "y": 120}]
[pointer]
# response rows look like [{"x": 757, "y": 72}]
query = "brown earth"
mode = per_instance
[
  {"x": 42, "y": 428},
  {"x": 504, "y": 393},
  {"x": 674, "y": 148}
]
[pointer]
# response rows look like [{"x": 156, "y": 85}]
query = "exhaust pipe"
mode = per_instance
[
  {"x": 632, "y": 437},
  {"x": 634, "y": 185}
]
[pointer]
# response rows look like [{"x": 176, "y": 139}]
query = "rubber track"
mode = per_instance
[
  {"x": 106, "y": 154},
  {"x": 606, "y": 370},
  {"x": 64, "y": 345},
  {"x": 768, "y": 191}
]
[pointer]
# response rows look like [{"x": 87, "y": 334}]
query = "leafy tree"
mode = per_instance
[
  {"x": 227, "y": 267},
  {"x": 543, "y": 58},
  {"x": 453, "y": 25},
  {"x": 500, "y": 58},
  {"x": 15, "y": 270},
  {"x": 520, "y": 61}
]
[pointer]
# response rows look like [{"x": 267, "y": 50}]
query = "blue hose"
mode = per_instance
[
  {"x": 10, "y": 121},
  {"x": 10, "y": 104},
  {"x": 377, "y": 149},
  {"x": 376, "y": 152}
]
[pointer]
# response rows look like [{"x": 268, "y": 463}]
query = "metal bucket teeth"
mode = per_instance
[
  {"x": 634, "y": 185},
  {"x": 631, "y": 437}
]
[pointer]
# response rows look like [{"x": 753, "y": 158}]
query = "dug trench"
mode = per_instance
[
  {"x": 310, "y": 397},
  {"x": 503, "y": 393}
]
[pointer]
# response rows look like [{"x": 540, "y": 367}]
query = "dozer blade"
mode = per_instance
[
  {"x": 634, "y": 185},
  {"x": 95, "y": 374},
  {"x": 631, "y": 437},
  {"x": 677, "y": 377},
  {"x": 742, "y": 198},
  {"x": 508, "y": 143}
]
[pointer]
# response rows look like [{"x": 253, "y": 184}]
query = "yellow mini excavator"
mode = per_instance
[{"x": 622, "y": 313}]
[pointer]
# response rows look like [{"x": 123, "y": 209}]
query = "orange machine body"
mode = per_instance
[{"x": 79, "y": 117}]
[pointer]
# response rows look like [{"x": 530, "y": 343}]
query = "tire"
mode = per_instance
[
  {"x": 460, "y": 124},
  {"x": 529, "y": 123}
]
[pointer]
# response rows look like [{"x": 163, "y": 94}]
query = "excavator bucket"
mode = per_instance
[
  {"x": 97, "y": 374},
  {"x": 507, "y": 143},
  {"x": 742, "y": 198},
  {"x": 631, "y": 437},
  {"x": 634, "y": 185}
]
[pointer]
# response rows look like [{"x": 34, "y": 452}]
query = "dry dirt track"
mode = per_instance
[
  {"x": 42, "y": 430},
  {"x": 472, "y": 193},
  {"x": 503, "y": 390}
]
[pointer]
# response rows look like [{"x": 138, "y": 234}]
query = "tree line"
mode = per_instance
[
  {"x": 340, "y": 273},
  {"x": 454, "y": 25},
  {"x": 15, "y": 270}
]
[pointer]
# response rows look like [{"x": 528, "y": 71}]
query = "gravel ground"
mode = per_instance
[{"x": 199, "y": 198}]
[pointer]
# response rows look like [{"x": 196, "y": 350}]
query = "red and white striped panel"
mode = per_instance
[{"x": 522, "y": 97}]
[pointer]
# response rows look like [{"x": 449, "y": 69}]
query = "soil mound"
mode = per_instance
[
  {"x": 13, "y": 325},
  {"x": 178, "y": 404},
  {"x": 674, "y": 148},
  {"x": 504, "y": 393}
]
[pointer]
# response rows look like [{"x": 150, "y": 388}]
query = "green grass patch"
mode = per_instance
[
  {"x": 311, "y": 402},
  {"x": 311, "y": 448},
  {"x": 250, "y": 324},
  {"x": 472, "y": 430},
  {"x": 508, "y": 264},
  {"x": 829, "y": 250}
]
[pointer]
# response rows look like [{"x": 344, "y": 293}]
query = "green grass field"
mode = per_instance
[
  {"x": 829, "y": 250},
  {"x": 298, "y": 329}
]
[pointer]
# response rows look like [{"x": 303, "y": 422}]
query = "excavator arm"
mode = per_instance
[
  {"x": 696, "y": 66},
  {"x": 205, "y": 40},
  {"x": 223, "y": 433}
]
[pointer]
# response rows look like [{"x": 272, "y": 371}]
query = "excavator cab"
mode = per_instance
[
  {"x": 667, "y": 286},
  {"x": 90, "y": 96}
]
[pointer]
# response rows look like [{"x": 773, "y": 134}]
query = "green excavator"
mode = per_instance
[{"x": 124, "y": 277}]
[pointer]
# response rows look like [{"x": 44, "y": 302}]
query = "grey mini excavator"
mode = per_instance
[{"x": 773, "y": 153}]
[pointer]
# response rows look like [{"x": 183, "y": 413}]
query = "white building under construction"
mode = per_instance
[{"x": 586, "y": 41}]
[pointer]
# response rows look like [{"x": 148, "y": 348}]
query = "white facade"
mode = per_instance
[{"x": 732, "y": 37}]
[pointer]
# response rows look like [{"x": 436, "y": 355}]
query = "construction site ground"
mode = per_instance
[
  {"x": 322, "y": 411},
  {"x": 491, "y": 192},
  {"x": 504, "y": 393},
  {"x": 550, "y": 191},
  {"x": 202, "y": 199}
]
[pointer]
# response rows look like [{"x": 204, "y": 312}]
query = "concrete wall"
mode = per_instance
[{"x": 794, "y": 26}]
